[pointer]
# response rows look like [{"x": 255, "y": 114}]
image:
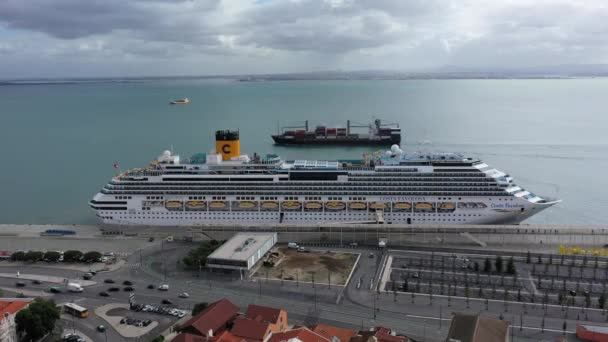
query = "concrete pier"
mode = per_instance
[{"x": 530, "y": 237}]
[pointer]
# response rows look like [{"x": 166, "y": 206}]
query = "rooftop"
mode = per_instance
[
  {"x": 242, "y": 246},
  {"x": 12, "y": 306},
  {"x": 330, "y": 332},
  {"x": 474, "y": 328},
  {"x": 249, "y": 329},
  {"x": 263, "y": 313},
  {"x": 300, "y": 334},
  {"x": 214, "y": 317}
]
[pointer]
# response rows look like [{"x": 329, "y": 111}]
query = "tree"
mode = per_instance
[
  {"x": 487, "y": 265},
  {"x": 405, "y": 285},
  {"x": 52, "y": 256},
  {"x": 476, "y": 266},
  {"x": 601, "y": 301},
  {"x": 92, "y": 256},
  {"x": 72, "y": 256},
  {"x": 528, "y": 258},
  {"x": 498, "y": 264},
  {"x": 199, "y": 255},
  {"x": 198, "y": 308},
  {"x": 38, "y": 319},
  {"x": 511, "y": 266},
  {"x": 18, "y": 256},
  {"x": 539, "y": 260},
  {"x": 34, "y": 256}
]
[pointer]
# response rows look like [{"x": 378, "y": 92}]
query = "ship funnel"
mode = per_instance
[{"x": 227, "y": 144}]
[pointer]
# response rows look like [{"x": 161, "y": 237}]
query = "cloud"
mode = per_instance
[{"x": 240, "y": 36}]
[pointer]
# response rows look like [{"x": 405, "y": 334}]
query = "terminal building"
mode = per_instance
[{"x": 242, "y": 251}]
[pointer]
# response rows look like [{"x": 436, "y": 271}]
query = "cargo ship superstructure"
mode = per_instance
[
  {"x": 378, "y": 133},
  {"x": 392, "y": 187}
]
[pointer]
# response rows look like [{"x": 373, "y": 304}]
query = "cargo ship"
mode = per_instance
[{"x": 378, "y": 133}]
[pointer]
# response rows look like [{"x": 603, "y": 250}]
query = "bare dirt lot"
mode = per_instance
[{"x": 324, "y": 266}]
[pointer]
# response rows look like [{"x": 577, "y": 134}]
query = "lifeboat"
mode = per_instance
[
  {"x": 481, "y": 205},
  {"x": 314, "y": 206},
  {"x": 335, "y": 205},
  {"x": 270, "y": 205},
  {"x": 195, "y": 205},
  {"x": 377, "y": 206},
  {"x": 423, "y": 206},
  {"x": 357, "y": 205},
  {"x": 446, "y": 206},
  {"x": 291, "y": 205},
  {"x": 173, "y": 205},
  {"x": 246, "y": 205},
  {"x": 217, "y": 205},
  {"x": 402, "y": 206}
]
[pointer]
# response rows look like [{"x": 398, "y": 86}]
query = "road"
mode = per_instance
[{"x": 305, "y": 304}]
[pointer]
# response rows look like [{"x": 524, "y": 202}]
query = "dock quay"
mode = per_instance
[{"x": 478, "y": 236}]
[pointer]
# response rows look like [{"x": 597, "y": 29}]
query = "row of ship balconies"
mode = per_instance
[{"x": 308, "y": 192}]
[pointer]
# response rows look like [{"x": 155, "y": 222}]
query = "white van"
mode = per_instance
[
  {"x": 74, "y": 287},
  {"x": 292, "y": 245}
]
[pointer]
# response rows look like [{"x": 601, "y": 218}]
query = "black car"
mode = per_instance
[
  {"x": 127, "y": 282},
  {"x": 104, "y": 294},
  {"x": 146, "y": 322},
  {"x": 113, "y": 289},
  {"x": 20, "y": 284},
  {"x": 128, "y": 289},
  {"x": 166, "y": 301},
  {"x": 36, "y": 281},
  {"x": 54, "y": 289},
  {"x": 151, "y": 287},
  {"x": 109, "y": 281}
]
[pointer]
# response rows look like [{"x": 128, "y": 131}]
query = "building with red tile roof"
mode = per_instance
[
  {"x": 332, "y": 333},
  {"x": 298, "y": 335},
  {"x": 8, "y": 309},
  {"x": 214, "y": 319},
  {"x": 277, "y": 318},
  {"x": 250, "y": 330},
  {"x": 185, "y": 337},
  {"x": 378, "y": 334}
]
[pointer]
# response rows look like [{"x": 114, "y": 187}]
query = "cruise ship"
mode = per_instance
[{"x": 390, "y": 187}]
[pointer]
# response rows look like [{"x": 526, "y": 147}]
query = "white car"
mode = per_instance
[
  {"x": 184, "y": 295},
  {"x": 164, "y": 287}
]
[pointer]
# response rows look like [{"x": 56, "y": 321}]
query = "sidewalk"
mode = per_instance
[
  {"x": 48, "y": 279},
  {"x": 97, "y": 267}
]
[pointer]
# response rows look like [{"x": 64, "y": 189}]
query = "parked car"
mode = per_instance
[
  {"x": 101, "y": 328},
  {"x": 54, "y": 289},
  {"x": 20, "y": 284},
  {"x": 166, "y": 301},
  {"x": 87, "y": 276},
  {"x": 353, "y": 244},
  {"x": 104, "y": 294},
  {"x": 371, "y": 255},
  {"x": 127, "y": 282},
  {"x": 36, "y": 281},
  {"x": 146, "y": 322},
  {"x": 184, "y": 295},
  {"x": 128, "y": 289},
  {"x": 113, "y": 289},
  {"x": 151, "y": 286},
  {"x": 109, "y": 281},
  {"x": 164, "y": 287}
]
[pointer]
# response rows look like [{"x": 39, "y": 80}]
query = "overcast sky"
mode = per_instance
[{"x": 66, "y": 38}]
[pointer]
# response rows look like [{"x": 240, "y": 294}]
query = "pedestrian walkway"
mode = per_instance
[{"x": 44, "y": 278}]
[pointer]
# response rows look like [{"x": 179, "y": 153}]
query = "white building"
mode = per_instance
[
  {"x": 242, "y": 251},
  {"x": 8, "y": 309}
]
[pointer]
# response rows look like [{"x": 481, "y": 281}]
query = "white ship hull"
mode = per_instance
[{"x": 494, "y": 213}]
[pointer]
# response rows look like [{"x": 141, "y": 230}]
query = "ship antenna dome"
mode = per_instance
[
  {"x": 394, "y": 148},
  {"x": 166, "y": 153},
  {"x": 388, "y": 153}
]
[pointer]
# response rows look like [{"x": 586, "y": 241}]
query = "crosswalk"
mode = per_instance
[{"x": 135, "y": 265}]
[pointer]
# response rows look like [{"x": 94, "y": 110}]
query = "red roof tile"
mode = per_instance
[
  {"x": 249, "y": 329},
  {"x": 329, "y": 332},
  {"x": 303, "y": 334},
  {"x": 11, "y": 306},
  {"x": 263, "y": 313},
  {"x": 184, "y": 337},
  {"x": 214, "y": 317}
]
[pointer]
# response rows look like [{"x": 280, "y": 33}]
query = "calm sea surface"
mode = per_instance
[{"x": 59, "y": 142}]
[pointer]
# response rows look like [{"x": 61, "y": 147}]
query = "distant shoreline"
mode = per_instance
[{"x": 279, "y": 78}]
